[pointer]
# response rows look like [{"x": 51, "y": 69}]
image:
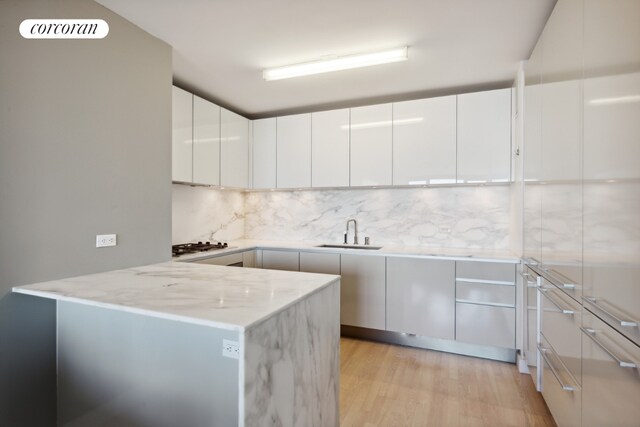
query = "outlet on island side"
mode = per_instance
[
  {"x": 230, "y": 349},
  {"x": 105, "y": 240}
]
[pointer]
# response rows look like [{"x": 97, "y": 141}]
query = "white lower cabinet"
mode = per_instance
[
  {"x": 362, "y": 291},
  {"x": 421, "y": 297},
  {"x": 610, "y": 376},
  {"x": 250, "y": 259},
  {"x": 486, "y": 325},
  {"x": 313, "y": 262},
  {"x": 281, "y": 260},
  {"x": 562, "y": 395},
  {"x": 486, "y": 303}
]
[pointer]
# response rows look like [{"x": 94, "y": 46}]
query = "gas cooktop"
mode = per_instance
[{"x": 192, "y": 248}]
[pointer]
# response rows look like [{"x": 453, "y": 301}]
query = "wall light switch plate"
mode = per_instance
[{"x": 104, "y": 240}]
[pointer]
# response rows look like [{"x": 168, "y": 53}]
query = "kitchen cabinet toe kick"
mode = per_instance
[{"x": 429, "y": 343}]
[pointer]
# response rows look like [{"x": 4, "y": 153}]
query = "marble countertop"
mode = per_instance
[
  {"x": 210, "y": 295},
  {"x": 408, "y": 251}
]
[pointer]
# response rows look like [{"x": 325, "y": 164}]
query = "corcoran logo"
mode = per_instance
[{"x": 64, "y": 29}]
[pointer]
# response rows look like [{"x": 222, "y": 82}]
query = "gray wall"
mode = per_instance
[{"x": 85, "y": 149}]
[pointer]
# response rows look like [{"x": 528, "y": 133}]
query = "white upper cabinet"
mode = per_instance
[
  {"x": 234, "y": 150},
  {"x": 264, "y": 153},
  {"x": 330, "y": 148},
  {"x": 424, "y": 141},
  {"x": 182, "y": 138},
  {"x": 484, "y": 137},
  {"x": 294, "y": 151},
  {"x": 206, "y": 142},
  {"x": 371, "y": 145}
]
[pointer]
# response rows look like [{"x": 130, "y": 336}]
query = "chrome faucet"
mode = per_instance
[{"x": 355, "y": 235}]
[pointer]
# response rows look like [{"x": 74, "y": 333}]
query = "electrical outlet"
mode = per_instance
[
  {"x": 104, "y": 240},
  {"x": 230, "y": 349}
]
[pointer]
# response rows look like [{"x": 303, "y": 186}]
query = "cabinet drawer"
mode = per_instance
[
  {"x": 486, "y": 325},
  {"x": 486, "y": 293},
  {"x": 492, "y": 271},
  {"x": 561, "y": 321},
  {"x": 561, "y": 394},
  {"x": 222, "y": 260},
  {"x": 610, "y": 383}
]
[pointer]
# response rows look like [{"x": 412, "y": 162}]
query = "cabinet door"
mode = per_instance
[
  {"x": 532, "y": 153},
  {"x": 313, "y": 262},
  {"x": 612, "y": 161},
  {"x": 484, "y": 137},
  {"x": 561, "y": 224},
  {"x": 182, "y": 135},
  {"x": 234, "y": 150},
  {"x": 281, "y": 260},
  {"x": 421, "y": 297},
  {"x": 610, "y": 387},
  {"x": 264, "y": 153},
  {"x": 206, "y": 142},
  {"x": 294, "y": 151},
  {"x": 249, "y": 259},
  {"x": 486, "y": 325},
  {"x": 424, "y": 141},
  {"x": 371, "y": 145},
  {"x": 362, "y": 291},
  {"x": 330, "y": 148}
]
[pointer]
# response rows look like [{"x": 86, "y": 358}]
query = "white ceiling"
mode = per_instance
[{"x": 221, "y": 47}]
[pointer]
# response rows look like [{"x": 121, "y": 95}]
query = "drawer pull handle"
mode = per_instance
[
  {"x": 622, "y": 322},
  {"x": 543, "y": 352},
  {"x": 567, "y": 311},
  {"x": 591, "y": 333},
  {"x": 526, "y": 276},
  {"x": 564, "y": 282}
]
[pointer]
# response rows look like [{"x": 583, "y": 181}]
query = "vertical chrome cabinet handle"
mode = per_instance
[
  {"x": 566, "y": 311},
  {"x": 621, "y": 322},
  {"x": 591, "y": 333},
  {"x": 543, "y": 352}
]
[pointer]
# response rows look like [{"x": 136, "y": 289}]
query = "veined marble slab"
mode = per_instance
[{"x": 222, "y": 297}]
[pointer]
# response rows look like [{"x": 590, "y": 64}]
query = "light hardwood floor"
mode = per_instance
[{"x": 387, "y": 385}]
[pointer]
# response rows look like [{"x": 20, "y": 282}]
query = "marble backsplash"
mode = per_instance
[
  {"x": 205, "y": 214},
  {"x": 455, "y": 217}
]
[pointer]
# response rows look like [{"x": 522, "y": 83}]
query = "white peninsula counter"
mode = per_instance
[{"x": 196, "y": 345}]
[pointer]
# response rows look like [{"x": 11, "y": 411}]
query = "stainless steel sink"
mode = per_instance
[{"x": 371, "y": 248}]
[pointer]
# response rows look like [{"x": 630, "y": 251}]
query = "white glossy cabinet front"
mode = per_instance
[
  {"x": 281, "y": 260},
  {"x": 182, "y": 137},
  {"x": 234, "y": 150},
  {"x": 421, "y": 297},
  {"x": 330, "y": 148},
  {"x": 206, "y": 142},
  {"x": 264, "y": 153},
  {"x": 371, "y": 145},
  {"x": 424, "y": 141},
  {"x": 610, "y": 383},
  {"x": 484, "y": 137},
  {"x": 362, "y": 291},
  {"x": 294, "y": 151},
  {"x": 313, "y": 262}
]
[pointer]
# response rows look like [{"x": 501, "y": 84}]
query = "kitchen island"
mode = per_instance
[{"x": 196, "y": 345}]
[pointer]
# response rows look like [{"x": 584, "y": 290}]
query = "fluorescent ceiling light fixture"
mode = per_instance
[
  {"x": 382, "y": 123},
  {"x": 337, "y": 64},
  {"x": 616, "y": 100}
]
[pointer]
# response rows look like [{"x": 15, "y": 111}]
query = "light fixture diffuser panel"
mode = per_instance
[{"x": 337, "y": 64}]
